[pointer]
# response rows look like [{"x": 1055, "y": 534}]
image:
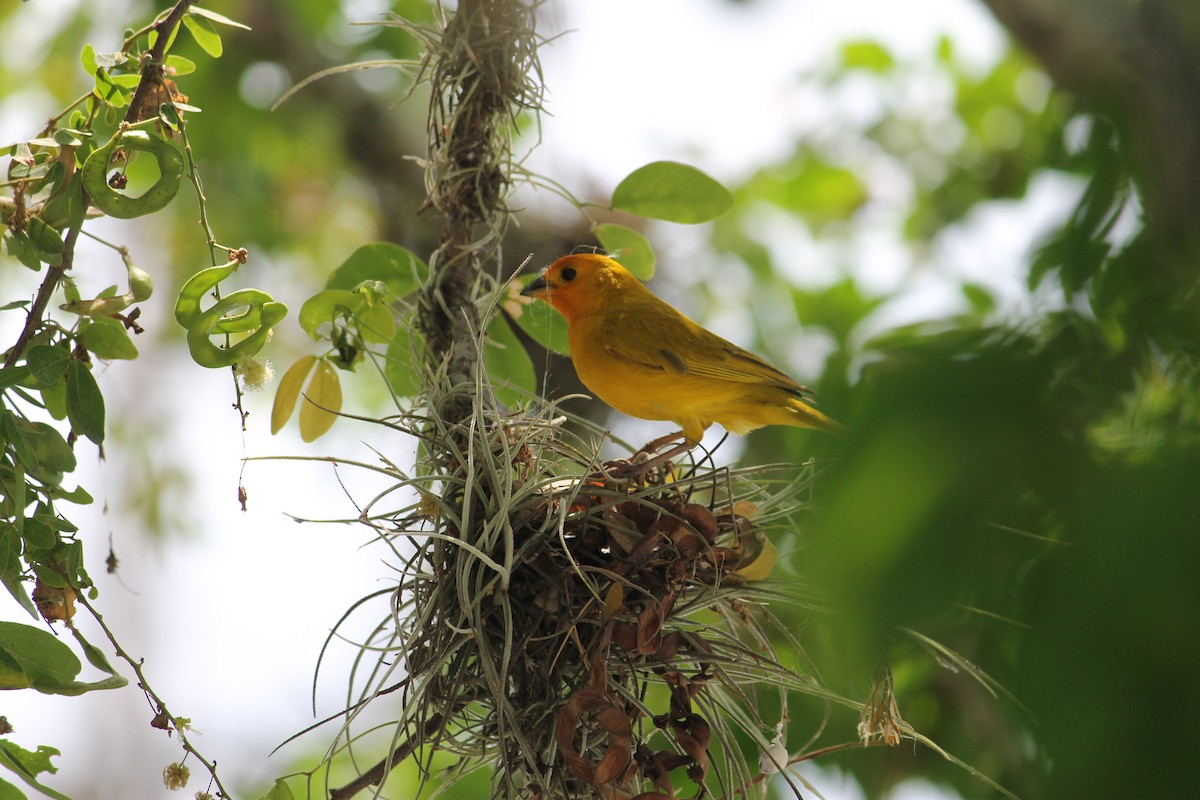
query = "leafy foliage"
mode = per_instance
[{"x": 54, "y": 179}]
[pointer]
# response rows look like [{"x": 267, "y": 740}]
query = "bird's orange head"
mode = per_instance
[{"x": 583, "y": 283}]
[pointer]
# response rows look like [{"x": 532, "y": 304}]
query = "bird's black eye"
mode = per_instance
[{"x": 568, "y": 274}]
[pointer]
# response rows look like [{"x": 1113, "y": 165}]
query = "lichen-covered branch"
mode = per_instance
[
  {"x": 481, "y": 80},
  {"x": 1140, "y": 63}
]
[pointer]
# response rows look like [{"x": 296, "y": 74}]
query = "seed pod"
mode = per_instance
[
  {"x": 122, "y": 206},
  {"x": 703, "y": 520}
]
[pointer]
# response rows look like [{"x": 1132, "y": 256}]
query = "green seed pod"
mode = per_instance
[
  {"x": 239, "y": 312},
  {"x": 170, "y": 175}
]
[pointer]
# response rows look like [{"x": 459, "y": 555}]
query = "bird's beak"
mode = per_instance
[{"x": 537, "y": 287}]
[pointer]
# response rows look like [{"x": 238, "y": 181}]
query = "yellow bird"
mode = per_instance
[{"x": 645, "y": 359}]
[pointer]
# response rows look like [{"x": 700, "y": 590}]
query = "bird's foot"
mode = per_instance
[{"x": 648, "y": 458}]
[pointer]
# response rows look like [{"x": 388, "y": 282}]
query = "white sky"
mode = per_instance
[{"x": 231, "y": 620}]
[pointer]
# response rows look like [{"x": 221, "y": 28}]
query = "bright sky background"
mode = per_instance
[{"x": 231, "y": 619}]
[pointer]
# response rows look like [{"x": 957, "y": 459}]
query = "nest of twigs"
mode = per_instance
[{"x": 580, "y": 628}]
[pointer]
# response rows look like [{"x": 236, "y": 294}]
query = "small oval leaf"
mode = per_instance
[
  {"x": 289, "y": 392},
  {"x": 85, "y": 403},
  {"x": 543, "y": 324},
  {"x": 626, "y": 245},
  {"x": 322, "y": 400},
  {"x": 673, "y": 192}
]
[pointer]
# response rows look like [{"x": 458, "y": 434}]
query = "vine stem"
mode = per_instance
[{"x": 151, "y": 695}]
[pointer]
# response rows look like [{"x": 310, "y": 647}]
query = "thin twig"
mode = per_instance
[
  {"x": 376, "y": 774},
  {"x": 159, "y": 705}
]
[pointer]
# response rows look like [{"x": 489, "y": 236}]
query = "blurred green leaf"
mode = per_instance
[
  {"x": 810, "y": 188},
  {"x": 400, "y": 269},
  {"x": 287, "y": 393},
  {"x": 324, "y": 306},
  {"x": 543, "y": 324},
  {"x": 400, "y": 368},
  {"x": 866, "y": 55},
  {"x": 321, "y": 402},
  {"x": 280, "y": 791},
  {"x": 508, "y": 364},
  {"x": 673, "y": 192},
  {"x": 626, "y": 245}
]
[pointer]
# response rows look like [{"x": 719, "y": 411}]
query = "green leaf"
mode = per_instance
[
  {"x": 543, "y": 324},
  {"x": 288, "y": 391},
  {"x": 280, "y": 791},
  {"x": 65, "y": 209},
  {"x": 15, "y": 434},
  {"x": 78, "y": 495},
  {"x": 31, "y": 658},
  {"x": 376, "y": 323},
  {"x": 45, "y": 238},
  {"x": 13, "y": 376},
  {"x": 208, "y": 39},
  {"x": 27, "y": 765},
  {"x": 399, "y": 269},
  {"x": 107, "y": 338},
  {"x": 508, "y": 364},
  {"x": 54, "y": 398},
  {"x": 69, "y": 137},
  {"x": 47, "y": 364},
  {"x": 324, "y": 306},
  {"x": 19, "y": 247},
  {"x": 181, "y": 65},
  {"x": 34, "y": 658},
  {"x": 627, "y": 246},
  {"x": 980, "y": 297},
  {"x": 811, "y": 188},
  {"x": 94, "y": 655},
  {"x": 85, "y": 403},
  {"x": 672, "y": 191},
  {"x": 402, "y": 367},
  {"x": 38, "y": 535},
  {"x": 321, "y": 402},
  {"x": 11, "y": 567},
  {"x": 10, "y": 792},
  {"x": 87, "y": 57},
  {"x": 866, "y": 55},
  {"x": 220, "y": 19},
  {"x": 52, "y": 456}
]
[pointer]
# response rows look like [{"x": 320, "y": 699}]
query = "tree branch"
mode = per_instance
[{"x": 1140, "y": 63}]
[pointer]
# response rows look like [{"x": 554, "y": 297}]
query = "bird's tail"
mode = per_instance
[{"x": 805, "y": 416}]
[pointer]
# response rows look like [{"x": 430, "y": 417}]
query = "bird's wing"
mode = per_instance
[
  {"x": 727, "y": 361},
  {"x": 663, "y": 340}
]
